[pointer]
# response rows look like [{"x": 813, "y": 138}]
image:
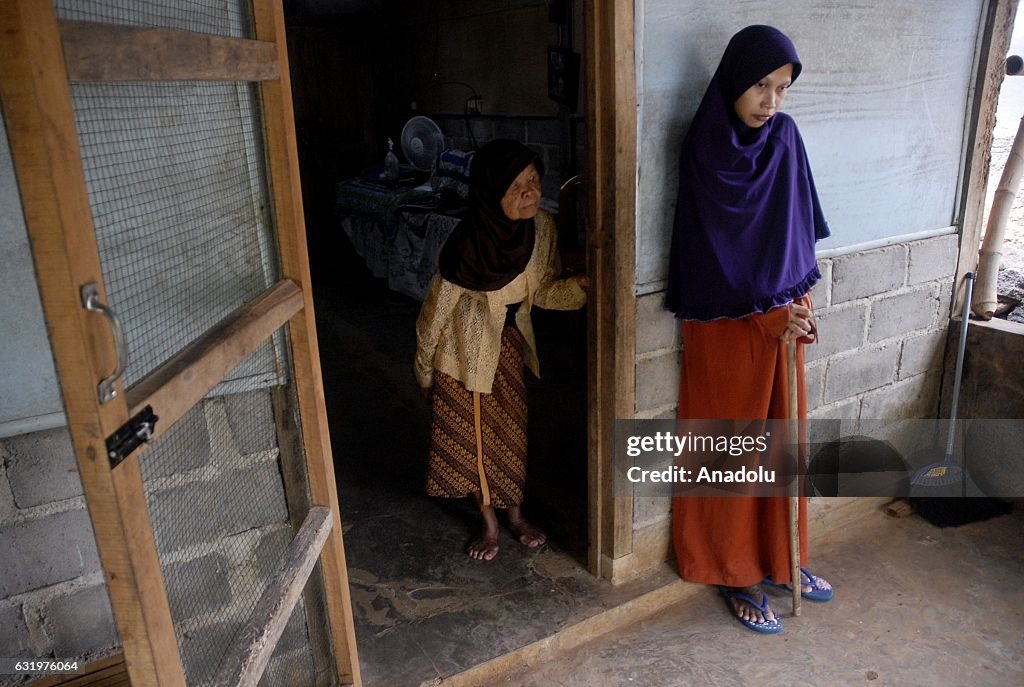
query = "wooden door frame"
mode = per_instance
[
  {"x": 993, "y": 46},
  {"x": 611, "y": 125},
  {"x": 41, "y": 56}
]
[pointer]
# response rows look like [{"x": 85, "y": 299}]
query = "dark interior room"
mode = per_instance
[{"x": 438, "y": 78}]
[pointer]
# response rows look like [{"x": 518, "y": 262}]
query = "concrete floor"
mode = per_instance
[
  {"x": 422, "y": 608},
  {"x": 914, "y": 605}
]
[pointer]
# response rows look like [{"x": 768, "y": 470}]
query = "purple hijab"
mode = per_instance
[{"x": 747, "y": 213}]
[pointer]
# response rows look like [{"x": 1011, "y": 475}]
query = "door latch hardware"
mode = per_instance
[
  {"x": 91, "y": 301},
  {"x": 131, "y": 435}
]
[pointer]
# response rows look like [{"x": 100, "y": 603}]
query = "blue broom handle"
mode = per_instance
[{"x": 959, "y": 364}]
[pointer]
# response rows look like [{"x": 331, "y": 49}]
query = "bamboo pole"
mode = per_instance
[
  {"x": 794, "y": 501},
  {"x": 985, "y": 297}
]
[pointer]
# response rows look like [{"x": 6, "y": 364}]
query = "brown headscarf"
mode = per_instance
[{"x": 488, "y": 250}]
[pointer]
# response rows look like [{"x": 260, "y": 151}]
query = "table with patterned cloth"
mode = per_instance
[
  {"x": 415, "y": 249},
  {"x": 395, "y": 230}
]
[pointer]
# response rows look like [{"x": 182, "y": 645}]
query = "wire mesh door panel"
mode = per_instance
[
  {"x": 224, "y": 516},
  {"x": 180, "y": 207},
  {"x": 204, "y": 266}
]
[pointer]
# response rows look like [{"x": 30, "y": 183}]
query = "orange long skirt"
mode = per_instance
[{"x": 736, "y": 369}]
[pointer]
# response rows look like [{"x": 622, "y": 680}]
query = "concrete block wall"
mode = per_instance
[
  {"x": 53, "y": 595},
  {"x": 883, "y": 316},
  {"x": 882, "y": 319}
]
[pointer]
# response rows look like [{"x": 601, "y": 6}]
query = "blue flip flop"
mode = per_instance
[
  {"x": 816, "y": 594},
  {"x": 768, "y": 627}
]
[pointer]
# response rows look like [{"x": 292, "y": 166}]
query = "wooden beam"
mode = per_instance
[
  {"x": 180, "y": 383},
  {"x": 611, "y": 146},
  {"x": 292, "y": 458},
  {"x": 597, "y": 348},
  {"x": 44, "y": 147},
  {"x": 624, "y": 254},
  {"x": 104, "y": 52},
  {"x": 255, "y": 642},
  {"x": 283, "y": 166},
  {"x": 993, "y": 45}
]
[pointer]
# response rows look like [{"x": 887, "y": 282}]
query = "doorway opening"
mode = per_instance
[{"x": 361, "y": 70}]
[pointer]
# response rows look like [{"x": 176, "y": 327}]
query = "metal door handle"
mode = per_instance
[{"x": 91, "y": 301}]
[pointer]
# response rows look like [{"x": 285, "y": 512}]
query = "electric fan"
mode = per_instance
[{"x": 422, "y": 141}]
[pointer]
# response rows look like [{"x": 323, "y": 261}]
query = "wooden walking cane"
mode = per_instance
[{"x": 794, "y": 499}]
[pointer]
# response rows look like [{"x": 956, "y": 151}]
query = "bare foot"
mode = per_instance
[
  {"x": 527, "y": 534},
  {"x": 746, "y": 611},
  {"x": 486, "y": 547}
]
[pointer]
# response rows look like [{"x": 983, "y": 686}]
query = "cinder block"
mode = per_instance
[
  {"x": 860, "y": 372},
  {"x": 848, "y": 411},
  {"x": 294, "y": 636},
  {"x": 506, "y": 127},
  {"x": 271, "y": 551},
  {"x": 917, "y": 397},
  {"x": 839, "y": 329},
  {"x": 81, "y": 623},
  {"x": 946, "y": 302},
  {"x": 295, "y": 669},
  {"x": 828, "y": 423},
  {"x": 198, "y": 586},
  {"x": 822, "y": 291},
  {"x": 251, "y": 417},
  {"x": 14, "y": 639},
  {"x": 657, "y": 381},
  {"x": 656, "y": 327},
  {"x": 649, "y": 508},
  {"x": 483, "y": 129},
  {"x": 185, "y": 447},
  {"x": 922, "y": 354},
  {"x": 7, "y": 507},
  {"x": 933, "y": 259},
  {"x": 814, "y": 375},
  {"x": 202, "y": 651},
  {"x": 41, "y": 467},
  {"x": 452, "y": 127},
  {"x": 869, "y": 273},
  {"x": 206, "y": 511},
  {"x": 547, "y": 131},
  {"x": 51, "y": 549},
  {"x": 902, "y": 314},
  {"x": 550, "y": 184}
]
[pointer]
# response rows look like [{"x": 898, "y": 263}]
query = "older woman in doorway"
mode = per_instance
[
  {"x": 741, "y": 270},
  {"x": 474, "y": 335}
]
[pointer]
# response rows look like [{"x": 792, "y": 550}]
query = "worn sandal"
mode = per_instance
[
  {"x": 768, "y": 627},
  {"x": 817, "y": 593}
]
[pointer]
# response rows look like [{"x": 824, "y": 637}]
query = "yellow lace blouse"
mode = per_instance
[{"x": 459, "y": 330}]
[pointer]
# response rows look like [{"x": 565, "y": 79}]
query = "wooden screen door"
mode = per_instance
[{"x": 243, "y": 317}]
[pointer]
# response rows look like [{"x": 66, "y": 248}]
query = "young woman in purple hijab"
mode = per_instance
[{"x": 740, "y": 274}]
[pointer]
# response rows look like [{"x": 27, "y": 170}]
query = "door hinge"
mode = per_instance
[{"x": 131, "y": 435}]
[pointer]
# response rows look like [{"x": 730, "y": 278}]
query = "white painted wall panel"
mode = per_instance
[
  {"x": 28, "y": 381},
  {"x": 881, "y": 103}
]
